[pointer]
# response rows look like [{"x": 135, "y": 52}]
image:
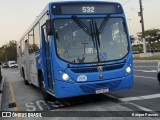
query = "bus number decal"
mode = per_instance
[{"x": 88, "y": 9}]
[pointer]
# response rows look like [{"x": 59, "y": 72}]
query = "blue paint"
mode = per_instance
[{"x": 114, "y": 77}]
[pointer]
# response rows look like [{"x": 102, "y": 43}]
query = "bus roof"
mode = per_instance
[
  {"x": 62, "y": 1},
  {"x": 35, "y": 21},
  {"x": 58, "y": 1}
]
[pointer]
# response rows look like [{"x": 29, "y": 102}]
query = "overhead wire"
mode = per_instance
[{"x": 126, "y": 2}]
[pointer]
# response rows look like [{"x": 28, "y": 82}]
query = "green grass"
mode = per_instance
[{"x": 148, "y": 58}]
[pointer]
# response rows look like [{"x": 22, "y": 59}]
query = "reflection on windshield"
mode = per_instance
[{"x": 75, "y": 45}]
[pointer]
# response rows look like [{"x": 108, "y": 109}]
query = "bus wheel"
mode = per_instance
[
  {"x": 25, "y": 81},
  {"x": 46, "y": 95}
]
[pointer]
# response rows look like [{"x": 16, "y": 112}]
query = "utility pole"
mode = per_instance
[{"x": 142, "y": 23}]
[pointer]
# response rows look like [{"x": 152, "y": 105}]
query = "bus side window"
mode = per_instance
[
  {"x": 22, "y": 47},
  {"x": 37, "y": 37},
  {"x": 46, "y": 37},
  {"x": 31, "y": 41}
]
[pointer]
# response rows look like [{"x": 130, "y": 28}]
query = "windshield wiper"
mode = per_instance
[
  {"x": 84, "y": 27},
  {"x": 104, "y": 23},
  {"x": 81, "y": 25},
  {"x": 92, "y": 33},
  {"x": 95, "y": 32},
  {"x": 95, "y": 36},
  {"x": 101, "y": 28}
]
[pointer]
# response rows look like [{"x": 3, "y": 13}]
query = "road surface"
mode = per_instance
[{"x": 144, "y": 96}]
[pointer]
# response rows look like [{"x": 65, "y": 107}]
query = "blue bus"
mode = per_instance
[{"x": 77, "y": 48}]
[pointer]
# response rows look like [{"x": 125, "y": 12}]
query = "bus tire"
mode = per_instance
[
  {"x": 25, "y": 81},
  {"x": 46, "y": 95}
]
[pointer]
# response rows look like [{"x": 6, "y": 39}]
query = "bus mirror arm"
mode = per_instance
[{"x": 49, "y": 27}]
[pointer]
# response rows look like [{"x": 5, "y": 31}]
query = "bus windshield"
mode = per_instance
[{"x": 82, "y": 42}]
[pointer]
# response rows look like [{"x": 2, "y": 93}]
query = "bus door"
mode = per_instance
[
  {"x": 32, "y": 58},
  {"x": 47, "y": 58}
]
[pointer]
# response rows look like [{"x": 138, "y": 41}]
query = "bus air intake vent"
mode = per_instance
[{"x": 94, "y": 69}]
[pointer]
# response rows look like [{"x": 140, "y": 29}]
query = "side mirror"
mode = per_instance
[
  {"x": 49, "y": 27},
  {"x": 0, "y": 63}
]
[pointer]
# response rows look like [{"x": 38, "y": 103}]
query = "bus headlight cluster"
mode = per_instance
[
  {"x": 128, "y": 69},
  {"x": 65, "y": 76}
]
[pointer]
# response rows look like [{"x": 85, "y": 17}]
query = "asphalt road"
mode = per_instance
[
  {"x": 144, "y": 96},
  {"x": 146, "y": 90}
]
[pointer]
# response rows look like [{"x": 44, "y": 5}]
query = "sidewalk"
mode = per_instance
[
  {"x": 146, "y": 61},
  {"x": 1, "y": 91}
]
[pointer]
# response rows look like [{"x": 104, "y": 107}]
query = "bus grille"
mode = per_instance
[
  {"x": 94, "y": 69},
  {"x": 91, "y": 88}
]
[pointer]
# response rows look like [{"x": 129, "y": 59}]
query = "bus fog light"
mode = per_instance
[
  {"x": 65, "y": 76},
  {"x": 128, "y": 69}
]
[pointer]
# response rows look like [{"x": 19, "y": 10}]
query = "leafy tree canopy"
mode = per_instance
[
  {"x": 132, "y": 38},
  {"x": 8, "y": 51},
  {"x": 151, "y": 35}
]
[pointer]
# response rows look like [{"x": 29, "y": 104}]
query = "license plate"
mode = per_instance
[{"x": 102, "y": 91}]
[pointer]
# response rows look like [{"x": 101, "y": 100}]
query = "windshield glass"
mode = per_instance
[{"x": 75, "y": 45}]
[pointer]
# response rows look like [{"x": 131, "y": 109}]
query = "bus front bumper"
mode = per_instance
[{"x": 64, "y": 89}]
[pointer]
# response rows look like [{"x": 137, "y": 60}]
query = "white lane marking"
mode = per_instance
[
  {"x": 146, "y": 66},
  {"x": 145, "y": 97},
  {"x": 145, "y": 77},
  {"x": 152, "y": 71},
  {"x": 127, "y": 102},
  {"x": 141, "y": 107},
  {"x": 43, "y": 102}
]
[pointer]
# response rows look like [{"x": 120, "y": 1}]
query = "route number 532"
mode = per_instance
[{"x": 88, "y": 9}]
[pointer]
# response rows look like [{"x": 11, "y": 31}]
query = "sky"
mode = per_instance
[{"x": 17, "y": 15}]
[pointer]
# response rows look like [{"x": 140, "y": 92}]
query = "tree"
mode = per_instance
[
  {"x": 152, "y": 36},
  {"x": 8, "y": 51},
  {"x": 132, "y": 38},
  {"x": 2, "y": 55}
]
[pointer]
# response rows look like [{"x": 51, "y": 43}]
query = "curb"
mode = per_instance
[
  {"x": 146, "y": 61},
  {"x": 1, "y": 91}
]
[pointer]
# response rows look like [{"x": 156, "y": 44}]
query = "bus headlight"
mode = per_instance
[
  {"x": 128, "y": 69},
  {"x": 65, "y": 76}
]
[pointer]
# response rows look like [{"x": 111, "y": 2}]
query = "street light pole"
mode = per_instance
[{"x": 142, "y": 23}]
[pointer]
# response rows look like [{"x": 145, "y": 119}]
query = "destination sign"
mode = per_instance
[{"x": 86, "y": 8}]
